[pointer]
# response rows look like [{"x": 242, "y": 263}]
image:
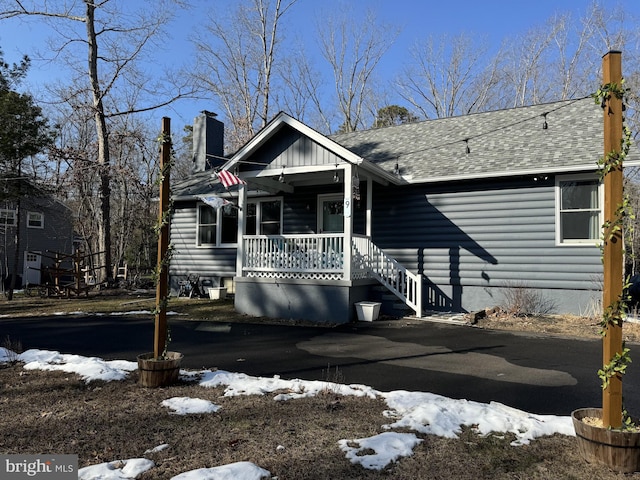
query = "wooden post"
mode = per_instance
[
  {"x": 162, "y": 287},
  {"x": 613, "y": 240}
]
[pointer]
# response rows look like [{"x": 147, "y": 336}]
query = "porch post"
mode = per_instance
[
  {"x": 348, "y": 220},
  {"x": 242, "y": 201},
  {"x": 369, "y": 206}
]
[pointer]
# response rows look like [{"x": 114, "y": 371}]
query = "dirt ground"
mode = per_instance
[
  {"x": 52, "y": 412},
  {"x": 556, "y": 325}
]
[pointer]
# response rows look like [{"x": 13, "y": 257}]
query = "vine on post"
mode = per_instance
[
  {"x": 617, "y": 141},
  {"x": 162, "y": 335}
]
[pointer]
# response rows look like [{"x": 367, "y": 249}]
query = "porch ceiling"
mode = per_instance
[{"x": 269, "y": 179}]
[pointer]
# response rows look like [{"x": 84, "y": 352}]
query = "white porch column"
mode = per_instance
[
  {"x": 242, "y": 208},
  {"x": 369, "y": 206},
  {"x": 348, "y": 220}
]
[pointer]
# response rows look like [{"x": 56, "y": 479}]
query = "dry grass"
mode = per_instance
[
  {"x": 109, "y": 301},
  {"x": 45, "y": 412},
  {"x": 569, "y": 326}
]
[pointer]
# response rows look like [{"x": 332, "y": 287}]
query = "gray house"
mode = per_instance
[
  {"x": 446, "y": 214},
  {"x": 46, "y": 227}
]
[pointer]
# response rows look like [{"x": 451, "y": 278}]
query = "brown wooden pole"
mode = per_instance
[
  {"x": 162, "y": 287},
  {"x": 613, "y": 240}
]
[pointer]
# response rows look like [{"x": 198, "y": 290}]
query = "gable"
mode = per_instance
[{"x": 288, "y": 148}]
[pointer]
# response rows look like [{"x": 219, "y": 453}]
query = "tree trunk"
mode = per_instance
[{"x": 104, "y": 223}]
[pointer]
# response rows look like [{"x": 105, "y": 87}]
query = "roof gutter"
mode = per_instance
[{"x": 521, "y": 173}]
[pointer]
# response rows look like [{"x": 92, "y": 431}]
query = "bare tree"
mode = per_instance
[
  {"x": 302, "y": 81},
  {"x": 447, "y": 76},
  {"x": 354, "y": 48},
  {"x": 237, "y": 57},
  {"x": 113, "y": 40}
]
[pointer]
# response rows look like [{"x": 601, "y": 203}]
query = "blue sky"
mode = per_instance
[{"x": 494, "y": 19}]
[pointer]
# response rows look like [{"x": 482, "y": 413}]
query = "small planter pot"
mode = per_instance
[
  {"x": 217, "y": 293},
  {"x": 618, "y": 450},
  {"x": 159, "y": 372}
]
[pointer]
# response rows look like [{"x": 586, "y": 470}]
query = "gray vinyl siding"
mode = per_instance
[
  {"x": 190, "y": 259},
  {"x": 57, "y": 234},
  {"x": 489, "y": 235},
  {"x": 55, "y": 237},
  {"x": 300, "y": 209}
]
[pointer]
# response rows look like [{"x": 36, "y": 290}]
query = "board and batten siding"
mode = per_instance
[
  {"x": 289, "y": 148},
  {"x": 473, "y": 240}
]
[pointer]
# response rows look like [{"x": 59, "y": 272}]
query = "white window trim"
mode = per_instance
[
  {"x": 578, "y": 177},
  {"x": 15, "y": 217},
  {"x": 41, "y": 220},
  {"x": 218, "y": 243},
  {"x": 258, "y": 201}
]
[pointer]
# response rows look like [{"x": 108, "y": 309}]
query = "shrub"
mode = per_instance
[{"x": 522, "y": 300}]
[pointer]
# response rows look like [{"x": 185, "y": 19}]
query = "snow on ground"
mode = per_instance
[
  {"x": 187, "y": 405},
  {"x": 422, "y": 412}
]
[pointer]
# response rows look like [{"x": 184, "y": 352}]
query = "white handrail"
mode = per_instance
[{"x": 403, "y": 283}]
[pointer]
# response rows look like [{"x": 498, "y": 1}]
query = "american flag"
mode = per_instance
[
  {"x": 214, "y": 201},
  {"x": 227, "y": 178}
]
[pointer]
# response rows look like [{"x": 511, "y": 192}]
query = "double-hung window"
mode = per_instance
[
  {"x": 217, "y": 227},
  {"x": 264, "y": 217},
  {"x": 7, "y": 217},
  {"x": 35, "y": 220},
  {"x": 578, "y": 210}
]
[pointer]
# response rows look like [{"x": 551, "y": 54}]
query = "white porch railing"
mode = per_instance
[
  {"x": 321, "y": 256},
  {"x": 294, "y": 256},
  {"x": 403, "y": 283}
]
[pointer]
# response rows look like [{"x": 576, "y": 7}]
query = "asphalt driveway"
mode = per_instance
[{"x": 533, "y": 373}]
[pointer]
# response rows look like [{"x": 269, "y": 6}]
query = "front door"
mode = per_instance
[
  {"x": 330, "y": 214},
  {"x": 32, "y": 265}
]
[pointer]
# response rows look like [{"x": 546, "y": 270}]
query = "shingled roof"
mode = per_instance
[{"x": 504, "y": 142}]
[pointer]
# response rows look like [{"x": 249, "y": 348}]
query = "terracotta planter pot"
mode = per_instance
[
  {"x": 159, "y": 373},
  {"x": 618, "y": 450}
]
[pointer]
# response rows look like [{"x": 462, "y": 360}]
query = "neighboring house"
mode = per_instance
[
  {"x": 45, "y": 229},
  {"x": 446, "y": 214}
]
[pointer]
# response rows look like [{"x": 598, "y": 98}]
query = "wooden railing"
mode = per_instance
[{"x": 321, "y": 256}]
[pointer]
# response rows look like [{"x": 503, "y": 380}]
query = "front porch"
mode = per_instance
[
  {"x": 314, "y": 277},
  {"x": 304, "y": 228}
]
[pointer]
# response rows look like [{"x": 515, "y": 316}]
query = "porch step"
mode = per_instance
[{"x": 392, "y": 305}]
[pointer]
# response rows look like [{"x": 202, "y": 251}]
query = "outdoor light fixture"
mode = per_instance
[
  {"x": 396, "y": 169},
  {"x": 544, "y": 123},
  {"x": 281, "y": 177},
  {"x": 468, "y": 150},
  {"x": 336, "y": 178}
]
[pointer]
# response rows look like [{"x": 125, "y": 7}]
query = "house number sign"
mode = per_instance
[{"x": 347, "y": 207}]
